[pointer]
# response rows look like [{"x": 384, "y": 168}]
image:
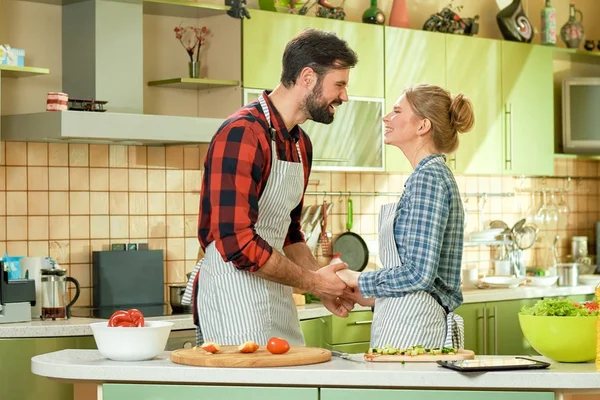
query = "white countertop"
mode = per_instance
[
  {"x": 89, "y": 365},
  {"x": 80, "y": 326}
]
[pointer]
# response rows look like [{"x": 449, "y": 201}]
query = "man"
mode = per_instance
[{"x": 256, "y": 173}]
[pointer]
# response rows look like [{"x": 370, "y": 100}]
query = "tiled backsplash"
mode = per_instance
[{"x": 66, "y": 200}]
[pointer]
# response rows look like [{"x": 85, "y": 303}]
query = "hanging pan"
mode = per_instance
[{"x": 351, "y": 246}]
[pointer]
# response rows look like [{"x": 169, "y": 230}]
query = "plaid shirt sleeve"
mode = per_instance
[
  {"x": 419, "y": 235},
  {"x": 235, "y": 163}
]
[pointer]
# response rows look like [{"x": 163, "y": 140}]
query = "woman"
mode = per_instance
[{"x": 421, "y": 236}]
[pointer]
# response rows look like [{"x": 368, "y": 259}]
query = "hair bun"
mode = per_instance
[{"x": 461, "y": 113}]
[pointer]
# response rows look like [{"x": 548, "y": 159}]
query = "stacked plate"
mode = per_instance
[
  {"x": 485, "y": 236},
  {"x": 591, "y": 280}
]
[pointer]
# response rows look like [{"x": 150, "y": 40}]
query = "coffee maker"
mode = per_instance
[{"x": 17, "y": 296}]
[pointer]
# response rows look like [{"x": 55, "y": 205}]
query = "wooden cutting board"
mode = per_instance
[
  {"x": 230, "y": 357},
  {"x": 460, "y": 355}
]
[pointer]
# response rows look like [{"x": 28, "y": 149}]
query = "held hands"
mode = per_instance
[
  {"x": 353, "y": 294},
  {"x": 333, "y": 291}
]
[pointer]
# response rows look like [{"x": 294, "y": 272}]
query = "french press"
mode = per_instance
[{"x": 55, "y": 294}]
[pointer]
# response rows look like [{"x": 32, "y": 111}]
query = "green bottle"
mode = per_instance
[{"x": 373, "y": 15}]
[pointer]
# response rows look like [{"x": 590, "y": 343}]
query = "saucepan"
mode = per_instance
[
  {"x": 351, "y": 246},
  {"x": 175, "y": 295}
]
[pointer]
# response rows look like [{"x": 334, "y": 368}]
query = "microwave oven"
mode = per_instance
[{"x": 581, "y": 115}]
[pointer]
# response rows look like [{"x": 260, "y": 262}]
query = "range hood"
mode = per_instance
[{"x": 102, "y": 58}]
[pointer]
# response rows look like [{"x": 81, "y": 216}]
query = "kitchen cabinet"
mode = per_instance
[
  {"x": 184, "y": 392},
  {"x": 314, "y": 331},
  {"x": 411, "y": 57},
  {"x": 528, "y": 102},
  {"x": 350, "y": 335},
  {"x": 394, "y": 394},
  {"x": 493, "y": 328},
  {"x": 473, "y": 68},
  {"x": 17, "y": 382},
  {"x": 266, "y": 34}
]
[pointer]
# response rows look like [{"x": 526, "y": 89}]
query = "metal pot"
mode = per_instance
[
  {"x": 568, "y": 274},
  {"x": 175, "y": 295}
]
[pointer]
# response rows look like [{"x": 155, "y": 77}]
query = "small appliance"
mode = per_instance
[
  {"x": 580, "y": 116},
  {"x": 55, "y": 295},
  {"x": 16, "y": 298}
]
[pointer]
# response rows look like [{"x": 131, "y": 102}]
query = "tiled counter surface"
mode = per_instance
[{"x": 80, "y": 326}]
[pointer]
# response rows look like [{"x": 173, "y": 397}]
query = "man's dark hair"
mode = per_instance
[{"x": 322, "y": 51}]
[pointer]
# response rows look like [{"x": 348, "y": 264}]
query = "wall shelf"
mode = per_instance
[
  {"x": 11, "y": 71},
  {"x": 184, "y": 9},
  {"x": 193, "y": 83},
  {"x": 563, "y": 53}
]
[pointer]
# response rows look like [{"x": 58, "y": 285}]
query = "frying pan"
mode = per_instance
[{"x": 351, "y": 246}]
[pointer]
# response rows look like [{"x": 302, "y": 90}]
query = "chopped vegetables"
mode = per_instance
[
  {"x": 561, "y": 308},
  {"x": 411, "y": 351}
]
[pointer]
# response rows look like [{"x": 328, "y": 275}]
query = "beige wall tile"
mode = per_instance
[
  {"x": 138, "y": 203},
  {"x": 156, "y": 203},
  {"x": 99, "y": 203},
  {"x": 60, "y": 250},
  {"x": 119, "y": 179},
  {"x": 119, "y": 203},
  {"x": 16, "y": 203},
  {"x": 37, "y": 154},
  {"x": 174, "y": 180},
  {"x": 79, "y": 203},
  {"x": 38, "y": 248},
  {"x": 353, "y": 182},
  {"x": 16, "y": 178},
  {"x": 100, "y": 245},
  {"x": 2, "y": 229},
  {"x": 367, "y": 182},
  {"x": 58, "y": 178},
  {"x": 192, "y": 180},
  {"x": 174, "y": 157},
  {"x": 80, "y": 251},
  {"x": 37, "y": 203},
  {"x": 2, "y": 177},
  {"x": 78, "y": 155},
  {"x": 37, "y": 178},
  {"x": 85, "y": 297},
  {"x": 119, "y": 226},
  {"x": 98, "y": 155},
  {"x": 16, "y": 228},
  {"x": 191, "y": 157},
  {"x": 190, "y": 226},
  {"x": 79, "y": 227},
  {"x": 156, "y": 157},
  {"x": 192, "y": 245},
  {"x": 175, "y": 226},
  {"x": 157, "y": 180},
  {"x": 117, "y": 156},
  {"x": 79, "y": 178},
  {"x": 175, "y": 248},
  {"x": 138, "y": 179},
  {"x": 192, "y": 203},
  {"x": 58, "y": 154},
  {"x": 157, "y": 226},
  {"x": 16, "y": 153},
  {"x": 138, "y": 157},
  {"x": 99, "y": 227},
  {"x": 175, "y": 272},
  {"x": 138, "y": 227},
  {"x": 82, "y": 273},
  {"x": 17, "y": 248},
  {"x": 175, "y": 203},
  {"x": 99, "y": 179},
  {"x": 37, "y": 228},
  {"x": 59, "y": 203}
]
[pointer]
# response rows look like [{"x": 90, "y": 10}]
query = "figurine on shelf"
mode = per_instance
[
  {"x": 237, "y": 9},
  {"x": 448, "y": 21},
  {"x": 324, "y": 9},
  {"x": 192, "y": 39}
]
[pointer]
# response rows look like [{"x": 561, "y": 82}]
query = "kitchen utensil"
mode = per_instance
[
  {"x": 325, "y": 243},
  {"x": 230, "y": 357},
  {"x": 358, "y": 357},
  {"x": 55, "y": 304},
  {"x": 568, "y": 274},
  {"x": 351, "y": 246},
  {"x": 313, "y": 221},
  {"x": 175, "y": 295},
  {"x": 460, "y": 355},
  {"x": 131, "y": 343},
  {"x": 306, "y": 214}
]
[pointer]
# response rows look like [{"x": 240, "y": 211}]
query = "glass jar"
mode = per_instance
[{"x": 579, "y": 247}]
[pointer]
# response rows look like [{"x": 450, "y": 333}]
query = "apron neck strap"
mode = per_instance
[{"x": 265, "y": 110}]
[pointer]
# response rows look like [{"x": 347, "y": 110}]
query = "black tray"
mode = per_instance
[{"x": 494, "y": 364}]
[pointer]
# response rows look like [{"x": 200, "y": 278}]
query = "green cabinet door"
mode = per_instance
[
  {"x": 411, "y": 57},
  {"x": 350, "y": 348},
  {"x": 528, "y": 101},
  {"x": 581, "y": 298},
  {"x": 313, "y": 330},
  {"x": 181, "y": 392},
  {"x": 391, "y": 394},
  {"x": 472, "y": 315},
  {"x": 504, "y": 331},
  {"x": 473, "y": 68},
  {"x": 265, "y": 35}
]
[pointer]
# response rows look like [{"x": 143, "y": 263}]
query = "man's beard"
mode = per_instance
[{"x": 317, "y": 110}]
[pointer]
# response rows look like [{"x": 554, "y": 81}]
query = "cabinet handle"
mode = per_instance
[
  {"x": 495, "y": 316},
  {"x": 484, "y": 330},
  {"x": 508, "y": 136},
  {"x": 359, "y": 323}
]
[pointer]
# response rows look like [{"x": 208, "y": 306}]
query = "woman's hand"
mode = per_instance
[
  {"x": 356, "y": 297},
  {"x": 349, "y": 277}
]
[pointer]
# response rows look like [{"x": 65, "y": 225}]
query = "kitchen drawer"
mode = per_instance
[
  {"x": 355, "y": 328},
  {"x": 350, "y": 348}
]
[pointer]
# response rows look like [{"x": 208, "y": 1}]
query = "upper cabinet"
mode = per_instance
[
  {"x": 411, "y": 57},
  {"x": 266, "y": 34},
  {"x": 528, "y": 102}
]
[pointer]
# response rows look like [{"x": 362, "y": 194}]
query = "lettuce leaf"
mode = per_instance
[{"x": 556, "y": 308}]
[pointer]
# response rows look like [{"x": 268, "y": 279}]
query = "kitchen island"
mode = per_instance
[{"x": 97, "y": 378}]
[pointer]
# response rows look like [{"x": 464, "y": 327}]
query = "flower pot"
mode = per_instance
[{"x": 194, "y": 69}]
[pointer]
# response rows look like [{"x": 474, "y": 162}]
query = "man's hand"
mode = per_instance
[
  {"x": 340, "y": 306},
  {"x": 356, "y": 297},
  {"x": 349, "y": 277},
  {"x": 327, "y": 285}
]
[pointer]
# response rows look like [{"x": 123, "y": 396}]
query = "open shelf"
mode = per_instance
[
  {"x": 563, "y": 53},
  {"x": 11, "y": 71},
  {"x": 193, "y": 83},
  {"x": 183, "y": 9}
]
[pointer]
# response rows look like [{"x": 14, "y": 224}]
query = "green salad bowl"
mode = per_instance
[{"x": 562, "y": 339}]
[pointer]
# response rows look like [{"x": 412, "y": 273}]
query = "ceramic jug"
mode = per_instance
[{"x": 572, "y": 32}]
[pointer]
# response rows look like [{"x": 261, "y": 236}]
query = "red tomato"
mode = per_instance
[
  {"x": 137, "y": 317},
  {"x": 277, "y": 345},
  {"x": 131, "y": 318}
]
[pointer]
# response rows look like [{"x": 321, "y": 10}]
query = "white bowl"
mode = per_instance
[
  {"x": 592, "y": 280},
  {"x": 543, "y": 281},
  {"x": 131, "y": 344},
  {"x": 502, "y": 281}
]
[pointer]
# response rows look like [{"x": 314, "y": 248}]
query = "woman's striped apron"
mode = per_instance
[
  {"x": 415, "y": 318},
  {"x": 235, "y": 306}
]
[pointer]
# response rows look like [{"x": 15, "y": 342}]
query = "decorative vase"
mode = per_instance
[
  {"x": 194, "y": 69},
  {"x": 572, "y": 31},
  {"x": 399, "y": 14},
  {"x": 548, "y": 24},
  {"x": 373, "y": 15},
  {"x": 514, "y": 24}
]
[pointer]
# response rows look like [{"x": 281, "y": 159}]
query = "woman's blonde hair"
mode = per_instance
[{"x": 448, "y": 115}]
